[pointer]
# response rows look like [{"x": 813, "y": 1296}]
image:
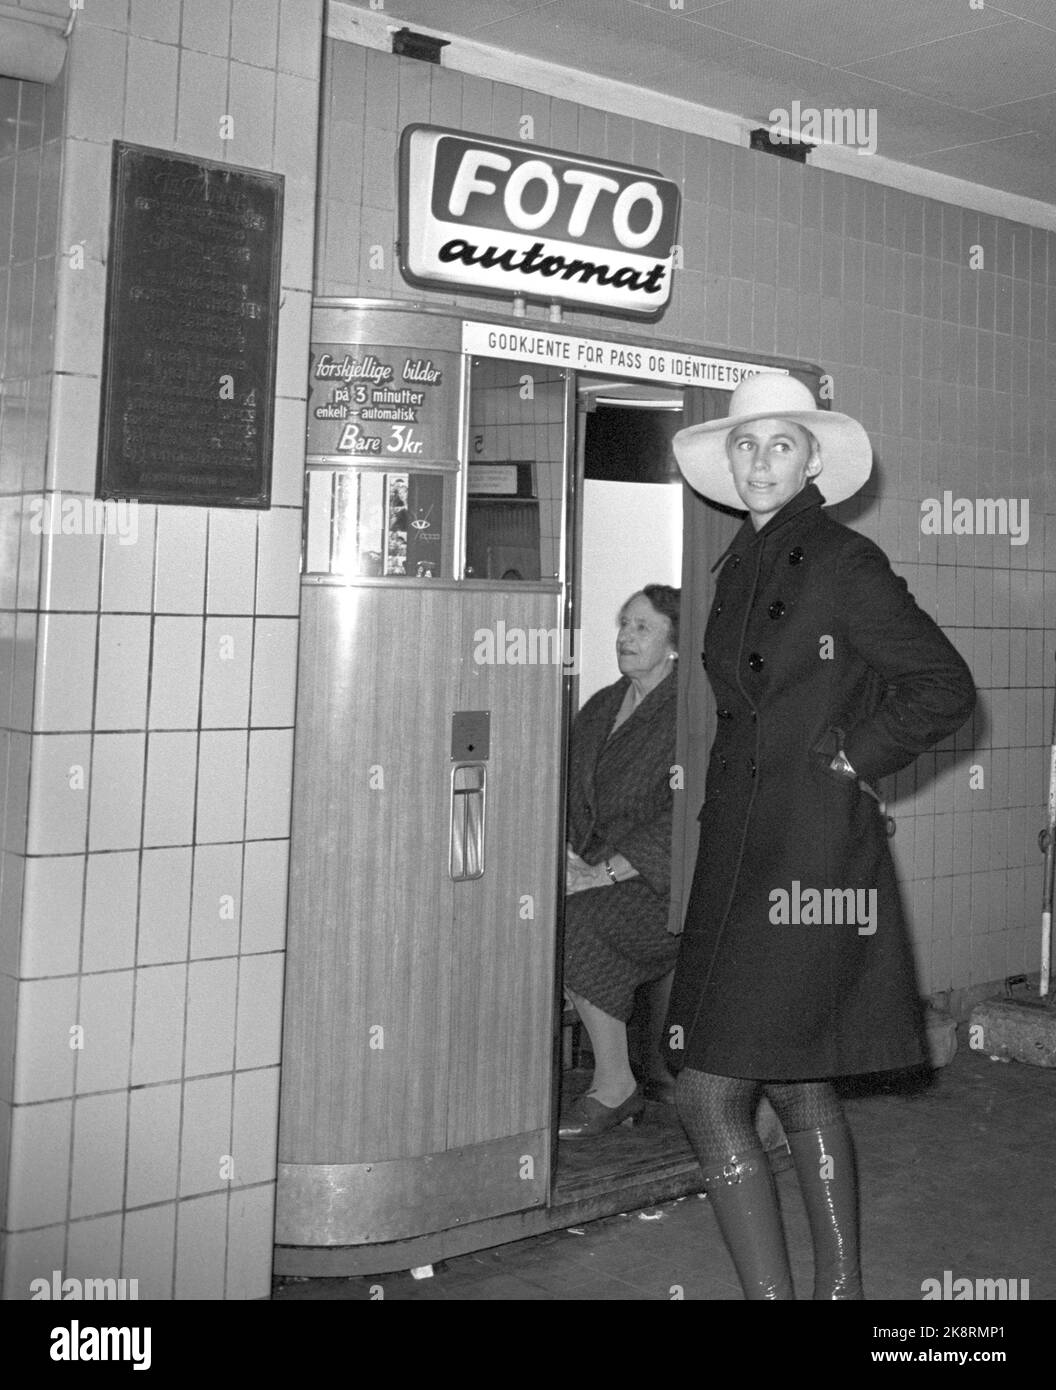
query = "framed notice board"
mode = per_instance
[{"x": 192, "y": 300}]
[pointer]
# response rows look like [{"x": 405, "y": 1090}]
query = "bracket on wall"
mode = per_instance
[
  {"x": 783, "y": 145},
  {"x": 407, "y": 44}
]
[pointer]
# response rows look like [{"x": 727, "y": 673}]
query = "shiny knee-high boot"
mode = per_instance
[
  {"x": 743, "y": 1198},
  {"x": 828, "y": 1179}
]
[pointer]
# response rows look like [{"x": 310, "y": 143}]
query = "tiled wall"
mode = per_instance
[
  {"x": 505, "y": 422},
  {"x": 951, "y": 365},
  {"x": 30, "y": 157},
  {"x": 158, "y": 727}
]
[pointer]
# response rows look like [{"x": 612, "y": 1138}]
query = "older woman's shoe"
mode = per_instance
[{"x": 588, "y": 1116}]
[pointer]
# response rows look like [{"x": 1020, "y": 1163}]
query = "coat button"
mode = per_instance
[
  {"x": 735, "y": 560},
  {"x": 756, "y": 662},
  {"x": 795, "y": 556},
  {"x": 704, "y": 661},
  {"x": 722, "y": 763},
  {"x": 724, "y": 713},
  {"x": 751, "y": 767},
  {"x": 776, "y": 609},
  {"x": 754, "y": 717},
  {"x": 718, "y": 608}
]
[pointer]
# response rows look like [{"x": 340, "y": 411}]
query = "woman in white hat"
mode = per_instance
[{"x": 795, "y": 966}]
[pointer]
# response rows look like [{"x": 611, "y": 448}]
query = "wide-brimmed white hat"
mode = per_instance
[{"x": 846, "y": 454}]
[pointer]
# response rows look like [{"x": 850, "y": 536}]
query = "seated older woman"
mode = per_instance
[{"x": 619, "y": 852}]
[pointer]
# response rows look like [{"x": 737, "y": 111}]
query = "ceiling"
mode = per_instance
[{"x": 963, "y": 90}]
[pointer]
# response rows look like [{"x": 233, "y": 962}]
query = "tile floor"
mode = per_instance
[{"x": 957, "y": 1175}]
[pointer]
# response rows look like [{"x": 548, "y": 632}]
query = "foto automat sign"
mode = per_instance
[{"x": 504, "y": 218}]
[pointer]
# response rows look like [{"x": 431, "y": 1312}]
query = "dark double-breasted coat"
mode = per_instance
[{"x": 813, "y": 644}]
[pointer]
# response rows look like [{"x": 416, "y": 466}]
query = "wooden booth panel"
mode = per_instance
[
  {"x": 502, "y": 999},
  {"x": 367, "y": 1026}
]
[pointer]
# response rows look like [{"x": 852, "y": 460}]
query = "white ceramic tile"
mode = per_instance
[
  {"x": 255, "y": 31},
  {"x": 108, "y": 14},
  {"x": 171, "y": 760},
  {"x": 206, "y": 1144},
  {"x": 7, "y": 664},
  {"x": 121, "y": 681},
  {"x": 40, "y": 1164},
  {"x": 300, "y": 36},
  {"x": 128, "y": 565},
  {"x": 153, "y": 1144},
  {"x": 117, "y": 791},
  {"x": 298, "y": 235},
  {"x": 65, "y": 671},
  {"x": 74, "y": 433},
  {"x": 287, "y": 478},
  {"x": 44, "y": 1059},
  {"x": 259, "y": 1011},
  {"x": 58, "y": 794},
  {"x": 164, "y": 906},
  {"x": 211, "y": 988},
  {"x": 16, "y": 828},
  {"x": 70, "y": 577},
  {"x": 251, "y": 103},
  {"x": 9, "y": 988},
  {"x": 202, "y": 105},
  {"x": 264, "y": 896},
  {"x": 12, "y": 522},
  {"x": 156, "y": 19},
  {"x": 106, "y": 1016},
  {"x": 160, "y": 999},
  {"x": 111, "y": 896},
  {"x": 175, "y": 676},
  {"x": 24, "y": 674},
  {"x": 94, "y": 1249},
  {"x": 275, "y": 671},
  {"x": 294, "y": 325},
  {"x": 250, "y": 1242},
  {"x": 31, "y": 1255},
  {"x": 30, "y": 590},
  {"x": 226, "y": 671},
  {"x": 270, "y": 784},
  {"x": 256, "y": 1125},
  {"x": 201, "y": 1246},
  {"x": 146, "y": 1256},
  {"x": 179, "y": 581},
  {"x": 221, "y": 786},
  {"x": 51, "y": 915},
  {"x": 206, "y": 26},
  {"x": 216, "y": 904},
  {"x": 232, "y": 560},
  {"x": 99, "y": 1124},
  {"x": 150, "y": 95},
  {"x": 81, "y": 295},
  {"x": 12, "y": 876}
]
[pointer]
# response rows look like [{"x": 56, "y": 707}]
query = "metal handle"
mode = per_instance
[{"x": 469, "y": 785}]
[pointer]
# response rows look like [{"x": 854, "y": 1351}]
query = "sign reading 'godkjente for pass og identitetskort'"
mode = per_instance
[{"x": 504, "y": 218}]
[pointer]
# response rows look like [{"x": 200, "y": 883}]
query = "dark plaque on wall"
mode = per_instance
[{"x": 191, "y": 328}]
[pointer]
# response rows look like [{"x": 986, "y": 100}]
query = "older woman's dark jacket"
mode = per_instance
[
  {"x": 620, "y": 800},
  {"x": 813, "y": 644}
]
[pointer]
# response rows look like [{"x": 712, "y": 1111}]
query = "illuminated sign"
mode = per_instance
[{"x": 499, "y": 217}]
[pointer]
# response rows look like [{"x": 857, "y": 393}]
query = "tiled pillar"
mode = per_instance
[{"x": 151, "y": 715}]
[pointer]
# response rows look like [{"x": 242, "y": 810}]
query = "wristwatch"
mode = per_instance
[{"x": 841, "y": 764}]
